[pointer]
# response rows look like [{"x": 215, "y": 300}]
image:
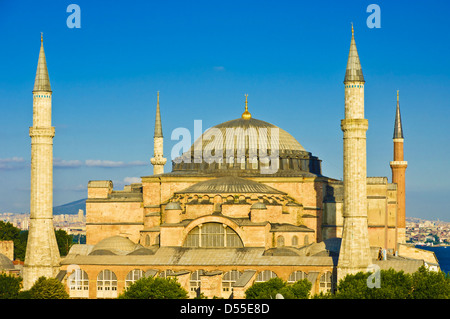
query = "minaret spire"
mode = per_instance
[
  {"x": 158, "y": 161},
  {"x": 354, "y": 70},
  {"x": 398, "y": 130},
  {"x": 158, "y": 125},
  {"x": 42, "y": 81}
]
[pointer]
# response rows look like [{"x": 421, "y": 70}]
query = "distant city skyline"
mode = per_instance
[{"x": 289, "y": 57}]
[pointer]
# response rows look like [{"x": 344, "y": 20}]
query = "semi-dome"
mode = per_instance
[
  {"x": 245, "y": 144},
  {"x": 229, "y": 185}
]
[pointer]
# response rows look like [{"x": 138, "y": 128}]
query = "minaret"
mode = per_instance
[
  {"x": 158, "y": 161},
  {"x": 354, "y": 254},
  {"x": 42, "y": 255},
  {"x": 398, "y": 166}
]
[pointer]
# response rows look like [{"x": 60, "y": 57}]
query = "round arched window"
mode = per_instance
[{"x": 213, "y": 235}]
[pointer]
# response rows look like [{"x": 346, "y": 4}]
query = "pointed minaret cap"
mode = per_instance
[
  {"x": 398, "y": 130},
  {"x": 158, "y": 126},
  {"x": 354, "y": 71},
  {"x": 42, "y": 81}
]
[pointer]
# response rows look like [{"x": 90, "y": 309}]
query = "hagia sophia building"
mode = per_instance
[{"x": 246, "y": 203}]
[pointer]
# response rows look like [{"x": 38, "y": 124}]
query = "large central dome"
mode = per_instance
[
  {"x": 247, "y": 145},
  {"x": 243, "y": 135}
]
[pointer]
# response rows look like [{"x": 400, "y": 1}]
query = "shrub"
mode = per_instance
[
  {"x": 48, "y": 288},
  {"x": 9, "y": 286},
  {"x": 269, "y": 289},
  {"x": 155, "y": 288}
]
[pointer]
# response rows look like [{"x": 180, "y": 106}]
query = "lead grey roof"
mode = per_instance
[
  {"x": 42, "y": 80},
  {"x": 353, "y": 72},
  {"x": 167, "y": 256},
  {"x": 5, "y": 263},
  {"x": 246, "y": 276},
  {"x": 230, "y": 184}
]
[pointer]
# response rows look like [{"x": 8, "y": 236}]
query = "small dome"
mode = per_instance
[
  {"x": 5, "y": 263},
  {"x": 258, "y": 205},
  {"x": 115, "y": 243},
  {"x": 173, "y": 206}
]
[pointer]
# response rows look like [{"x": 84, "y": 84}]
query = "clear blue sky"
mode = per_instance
[{"x": 203, "y": 56}]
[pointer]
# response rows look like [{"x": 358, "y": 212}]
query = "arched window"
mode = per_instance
[
  {"x": 132, "y": 276},
  {"x": 325, "y": 282},
  {"x": 147, "y": 240},
  {"x": 195, "y": 280},
  {"x": 306, "y": 240},
  {"x": 229, "y": 278},
  {"x": 166, "y": 273},
  {"x": 296, "y": 276},
  {"x": 78, "y": 284},
  {"x": 213, "y": 235},
  {"x": 294, "y": 241},
  {"x": 106, "y": 284},
  {"x": 265, "y": 276}
]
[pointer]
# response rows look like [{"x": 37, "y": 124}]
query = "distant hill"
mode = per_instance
[{"x": 70, "y": 208}]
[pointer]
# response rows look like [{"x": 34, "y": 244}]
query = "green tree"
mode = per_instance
[
  {"x": 154, "y": 288},
  {"x": 64, "y": 241},
  {"x": 9, "y": 232},
  {"x": 9, "y": 286},
  {"x": 430, "y": 284},
  {"x": 353, "y": 287},
  {"x": 48, "y": 288},
  {"x": 265, "y": 290},
  {"x": 423, "y": 284},
  {"x": 298, "y": 290},
  {"x": 393, "y": 285},
  {"x": 20, "y": 245},
  {"x": 269, "y": 289}
]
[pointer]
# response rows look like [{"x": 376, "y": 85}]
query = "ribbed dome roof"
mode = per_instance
[
  {"x": 247, "y": 134},
  {"x": 246, "y": 147},
  {"x": 229, "y": 184}
]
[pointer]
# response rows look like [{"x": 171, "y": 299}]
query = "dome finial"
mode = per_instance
[
  {"x": 42, "y": 36},
  {"x": 246, "y": 115},
  {"x": 353, "y": 31}
]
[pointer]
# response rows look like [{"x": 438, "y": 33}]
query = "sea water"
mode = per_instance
[{"x": 442, "y": 254}]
